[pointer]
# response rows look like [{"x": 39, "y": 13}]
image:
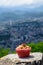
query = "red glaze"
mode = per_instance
[{"x": 22, "y": 53}]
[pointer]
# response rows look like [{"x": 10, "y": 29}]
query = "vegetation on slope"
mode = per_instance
[
  {"x": 4, "y": 52},
  {"x": 38, "y": 47}
]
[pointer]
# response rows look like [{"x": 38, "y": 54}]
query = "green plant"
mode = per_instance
[
  {"x": 4, "y": 52},
  {"x": 38, "y": 47}
]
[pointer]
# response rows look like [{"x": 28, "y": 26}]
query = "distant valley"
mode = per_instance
[
  {"x": 21, "y": 12},
  {"x": 20, "y": 24}
]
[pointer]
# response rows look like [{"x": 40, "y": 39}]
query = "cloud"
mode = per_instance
[
  {"x": 20, "y": 2},
  {"x": 14, "y": 2},
  {"x": 38, "y": 2}
]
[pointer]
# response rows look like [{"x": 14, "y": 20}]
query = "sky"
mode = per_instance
[{"x": 21, "y": 2}]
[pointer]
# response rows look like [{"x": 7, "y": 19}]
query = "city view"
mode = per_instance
[
  {"x": 14, "y": 33},
  {"x": 21, "y": 21}
]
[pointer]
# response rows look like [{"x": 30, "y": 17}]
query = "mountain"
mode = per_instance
[
  {"x": 29, "y": 8},
  {"x": 20, "y": 12}
]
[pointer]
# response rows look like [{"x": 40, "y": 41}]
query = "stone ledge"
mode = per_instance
[{"x": 13, "y": 59}]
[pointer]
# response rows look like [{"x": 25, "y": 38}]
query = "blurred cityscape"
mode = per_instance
[{"x": 21, "y": 31}]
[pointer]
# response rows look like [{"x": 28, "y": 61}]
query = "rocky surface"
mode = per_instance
[{"x": 13, "y": 59}]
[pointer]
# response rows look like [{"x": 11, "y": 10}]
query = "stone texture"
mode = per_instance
[{"x": 13, "y": 59}]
